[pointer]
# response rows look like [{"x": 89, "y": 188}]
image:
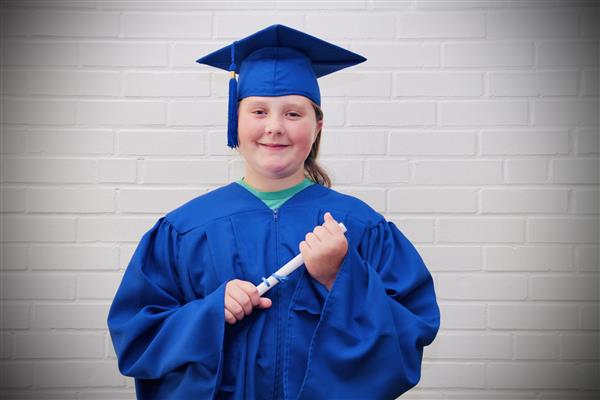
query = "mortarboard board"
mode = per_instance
[{"x": 277, "y": 61}]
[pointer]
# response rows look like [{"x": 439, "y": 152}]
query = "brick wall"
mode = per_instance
[{"x": 473, "y": 125}]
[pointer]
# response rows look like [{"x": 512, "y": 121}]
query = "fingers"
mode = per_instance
[
  {"x": 331, "y": 224},
  {"x": 240, "y": 298}
]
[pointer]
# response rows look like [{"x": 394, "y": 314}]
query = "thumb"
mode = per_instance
[
  {"x": 265, "y": 302},
  {"x": 328, "y": 216}
]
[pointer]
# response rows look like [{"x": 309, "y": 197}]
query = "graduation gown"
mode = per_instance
[{"x": 363, "y": 339}]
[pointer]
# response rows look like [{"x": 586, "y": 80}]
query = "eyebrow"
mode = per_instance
[{"x": 255, "y": 103}]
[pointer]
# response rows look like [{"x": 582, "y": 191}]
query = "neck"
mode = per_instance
[{"x": 266, "y": 184}]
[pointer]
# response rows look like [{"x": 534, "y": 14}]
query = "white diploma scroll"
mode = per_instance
[{"x": 284, "y": 271}]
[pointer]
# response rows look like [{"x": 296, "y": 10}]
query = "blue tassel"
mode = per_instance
[{"x": 232, "y": 115}]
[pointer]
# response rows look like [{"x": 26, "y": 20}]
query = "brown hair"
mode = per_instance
[{"x": 312, "y": 169}]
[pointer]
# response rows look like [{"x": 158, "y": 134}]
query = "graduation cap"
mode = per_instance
[{"x": 276, "y": 61}]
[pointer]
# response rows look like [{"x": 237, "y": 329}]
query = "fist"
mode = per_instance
[
  {"x": 323, "y": 251},
  {"x": 241, "y": 297}
]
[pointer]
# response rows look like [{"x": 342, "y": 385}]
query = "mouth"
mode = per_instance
[{"x": 273, "y": 146}]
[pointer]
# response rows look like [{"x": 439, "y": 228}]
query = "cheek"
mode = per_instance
[{"x": 303, "y": 136}]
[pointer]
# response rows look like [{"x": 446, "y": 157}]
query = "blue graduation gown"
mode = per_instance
[{"x": 361, "y": 340}]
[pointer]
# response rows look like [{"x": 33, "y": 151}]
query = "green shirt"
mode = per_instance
[{"x": 275, "y": 199}]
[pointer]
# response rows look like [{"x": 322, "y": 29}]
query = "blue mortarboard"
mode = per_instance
[{"x": 277, "y": 61}]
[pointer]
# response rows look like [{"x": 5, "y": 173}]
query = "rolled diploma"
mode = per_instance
[{"x": 287, "y": 269}]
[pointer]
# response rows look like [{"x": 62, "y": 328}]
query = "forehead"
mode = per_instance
[{"x": 277, "y": 101}]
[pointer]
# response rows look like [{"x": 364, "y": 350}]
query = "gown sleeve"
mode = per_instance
[
  {"x": 369, "y": 334},
  {"x": 170, "y": 345}
]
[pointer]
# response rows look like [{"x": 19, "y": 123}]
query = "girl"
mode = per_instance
[{"x": 187, "y": 320}]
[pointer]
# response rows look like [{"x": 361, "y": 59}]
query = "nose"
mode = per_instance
[{"x": 274, "y": 125}]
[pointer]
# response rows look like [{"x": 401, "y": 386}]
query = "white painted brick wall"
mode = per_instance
[{"x": 473, "y": 126}]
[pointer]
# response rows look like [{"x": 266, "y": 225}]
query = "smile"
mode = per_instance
[{"x": 273, "y": 146}]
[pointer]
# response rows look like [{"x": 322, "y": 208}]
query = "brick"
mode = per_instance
[
  {"x": 481, "y": 287},
  {"x": 15, "y": 83},
  {"x": 164, "y": 25},
  {"x": 70, "y": 316},
  {"x": 438, "y": 84},
  {"x": 74, "y": 83},
  {"x": 525, "y": 142},
  {"x": 185, "y": 172},
  {"x": 167, "y": 84},
  {"x": 587, "y": 201},
  {"x": 39, "y": 52},
  {"x": 587, "y": 258},
  {"x": 532, "y": 375},
  {"x": 16, "y": 375},
  {"x": 589, "y": 24},
  {"x": 71, "y": 258},
  {"x": 38, "y": 229},
  {"x": 580, "y": 288},
  {"x": 344, "y": 172},
  {"x": 125, "y": 254},
  {"x": 63, "y": 345},
  {"x": 524, "y": 201},
  {"x": 472, "y": 346},
  {"x": 238, "y": 25},
  {"x": 62, "y": 23},
  {"x": 78, "y": 142},
  {"x": 24, "y": 286},
  {"x": 580, "y": 347},
  {"x": 106, "y": 113},
  {"x": 489, "y": 112},
  {"x": 6, "y": 345},
  {"x": 13, "y": 140},
  {"x": 537, "y": 347},
  {"x": 48, "y": 170},
  {"x": 374, "y": 197},
  {"x": 481, "y": 230},
  {"x": 433, "y": 200},
  {"x": 61, "y": 200},
  {"x": 458, "y": 4},
  {"x": 322, "y": 5},
  {"x": 462, "y": 316},
  {"x": 98, "y": 286},
  {"x": 589, "y": 316},
  {"x": 441, "y": 25},
  {"x": 13, "y": 200},
  {"x": 351, "y": 26},
  {"x": 533, "y": 84},
  {"x": 488, "y": 54},
  {"x": 82, "y": 374},
  {"x": 571, "y": 171},
  {"x": 116, "y": 170},
  {"x": 386, "y": 171},
  {"x": 355, "y": 84},
  {"x": 528, "y": 258},
  {"x": 578, "y": 53},
  {"x": 526, "y": 171},
  {"x": 197, "y": 113},
  {"x": 417, "y": 230},
  {"x": 334, "y": 114},
  {"x": 453, "y": 375},
  {"x": 150, "y": 142},
  {"x": 562, "y": 230},
  {"x": 443, "y": 172},
  {"x": 394, "y": 55},
  {"x": 129, "y": 5},
  {"x": 519, "y": 316},
  {"x": 151, "y": 200},
  {"x": 586, "y": 141},
  {"x": 540, "y": 24},
  {"x": 353, "y": 142},
  {"x": 401, "y": 113},
  {"x": 14, "y": 315},
  {"x": 113, "y": 229},
  {"x": 38, "y": 112},
  {"x": 216, "y": 144},
  {"x": 589, "y": 84},
  {"x": 451, "y": 258},
  {"x": 14, "y": 257},
  {"x": 565, "y": 112},
  {"x": 185, "y": 54},
  {"x": 432, "y": 143},
  {"x": 123, "y": 54},
  {"x": 589, "y": 374}
]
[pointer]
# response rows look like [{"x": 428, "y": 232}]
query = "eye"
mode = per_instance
[
  {"x": 293, "y": 114},
  {"x": 258, "y": 112}
]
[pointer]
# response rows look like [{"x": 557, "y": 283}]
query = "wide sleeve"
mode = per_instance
[
  {"x": 168, "y": 342},
  {"x": 370, "y": 332}
]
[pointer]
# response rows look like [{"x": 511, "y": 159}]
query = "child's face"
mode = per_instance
[{"x": 288, "y": 121}]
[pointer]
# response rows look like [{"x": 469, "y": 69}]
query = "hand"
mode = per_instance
[
  {"x": 323, "y": 251},
  {"x": 240, "y": 298}
]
